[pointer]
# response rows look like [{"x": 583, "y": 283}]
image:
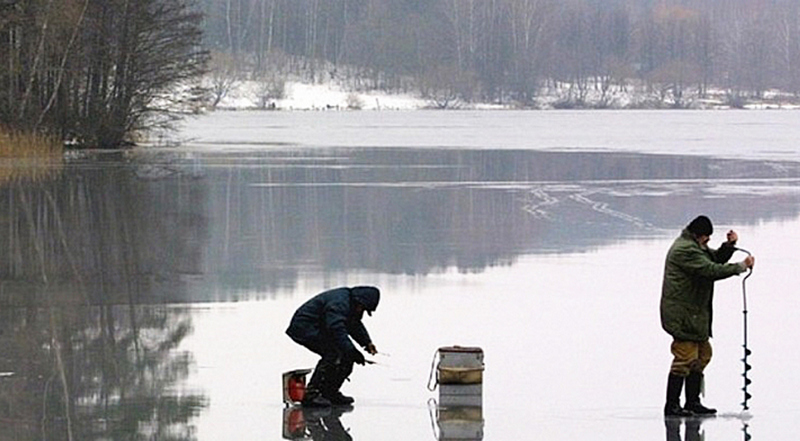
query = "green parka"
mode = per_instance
[{"x": 687, "y": 291}]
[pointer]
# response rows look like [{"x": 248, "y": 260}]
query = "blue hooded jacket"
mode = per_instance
[{"x": 332, "y": 314}]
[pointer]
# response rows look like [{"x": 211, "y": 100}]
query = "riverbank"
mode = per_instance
[{"x": 301, "y": 95}]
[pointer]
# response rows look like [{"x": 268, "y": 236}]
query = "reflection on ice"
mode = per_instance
[
  {"x": 301, "y": 423},
  {"x": 457, "y": 422},
  {"x": 220, "y": 226},
  {"x": 692, "y": 428},
  {"x": 96, "y": 372}
]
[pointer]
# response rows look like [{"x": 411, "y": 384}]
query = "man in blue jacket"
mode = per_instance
[{"x": 324, "y": 325}]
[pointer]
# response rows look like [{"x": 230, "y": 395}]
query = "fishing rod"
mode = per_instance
[{"x": 747, "y": 350}]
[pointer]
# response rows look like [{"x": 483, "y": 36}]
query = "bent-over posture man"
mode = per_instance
[{"x": 324, "y": 325}]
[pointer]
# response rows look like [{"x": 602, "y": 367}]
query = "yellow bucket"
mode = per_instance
[{"x": 460, "y": 375}]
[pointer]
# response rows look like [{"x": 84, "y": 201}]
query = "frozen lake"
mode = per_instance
[
  {"x": 733, "y": 134},
  {"x": 153, "y": 287}
]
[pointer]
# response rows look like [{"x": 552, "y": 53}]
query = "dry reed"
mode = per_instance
[{"x": 28, "y": 156}]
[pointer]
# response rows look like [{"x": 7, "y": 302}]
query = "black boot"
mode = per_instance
[
  {"x": 693, "y": 384},
  {"x": 339, "y": 399},
  {"x": 673, "y": 407},
  {"x": 339, "y": 374},
  {"x": 314, "y": 390}
]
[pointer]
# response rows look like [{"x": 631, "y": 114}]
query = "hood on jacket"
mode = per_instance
[{"x": 367, "y": 296}]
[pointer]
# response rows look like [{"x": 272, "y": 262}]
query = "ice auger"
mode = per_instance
[{"x": 747, "y": 350}]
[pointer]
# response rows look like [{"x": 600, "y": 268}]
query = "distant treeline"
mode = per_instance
[
  {"x": 97, "y": 72},
  {"x": 94, "y": 71},
  {"x": 508, "y": 50}
]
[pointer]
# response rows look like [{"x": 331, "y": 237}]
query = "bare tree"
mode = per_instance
[
  {"x": 529, "y": 36},
  {"x": 224, "y": 74},
  {"x": 98, "y": 71},
  {"x": 271, "y": 87}
]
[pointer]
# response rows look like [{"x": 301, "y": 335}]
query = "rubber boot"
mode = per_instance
[
  {"x": 673, "y": 406},
  {"x": 693, "y": 384},
  {"x": 339, "y": 374},
  {"x": 314, "y": 390}
]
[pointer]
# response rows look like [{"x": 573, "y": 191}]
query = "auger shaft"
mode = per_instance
[{"x": 747, "y": 350}]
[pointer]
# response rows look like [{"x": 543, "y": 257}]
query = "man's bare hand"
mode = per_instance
[
  {"x": 372, "y": 349},
  {"x": 732, "y": 237},
  {"x": 749, "y": 261}
]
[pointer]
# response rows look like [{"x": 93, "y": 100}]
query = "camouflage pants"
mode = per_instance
[{"x": 690, "y": 356}]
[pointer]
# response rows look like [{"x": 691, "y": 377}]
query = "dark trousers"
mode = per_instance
[{"x": 333, "y": 367}]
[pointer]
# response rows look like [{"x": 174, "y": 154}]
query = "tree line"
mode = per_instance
[
  {"x": 509, "y": 50},
  {"x": 97, "y": 72}
]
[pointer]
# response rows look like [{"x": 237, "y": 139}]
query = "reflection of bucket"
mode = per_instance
[
  {"x": 294, "y": 386},
  {"x": 460, "y": 423},
  {"x": 456, "y": 422},
  {"x": 294, "y": 423}
]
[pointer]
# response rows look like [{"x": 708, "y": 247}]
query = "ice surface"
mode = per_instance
[
  {"x": 735, "y": 134},
  {"x": 537, "y": 236},
  {"x": 572, "y": 341}
]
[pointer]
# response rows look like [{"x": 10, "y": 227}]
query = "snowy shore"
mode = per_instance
[{"x": 329, "y": 96}]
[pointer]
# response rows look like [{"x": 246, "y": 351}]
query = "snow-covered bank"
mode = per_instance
[
  {"x": 305, "y": 96},
  {"x": 299, "y": 95}
]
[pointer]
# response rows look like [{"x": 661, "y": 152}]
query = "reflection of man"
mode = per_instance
[
  {"x": 692, "y": 429},
  {"x": 317, "y": 423},
  {"x": 687, "y": 291},
  {"x": 324, "y": 325},
  {"x": 324, "y": 424}
]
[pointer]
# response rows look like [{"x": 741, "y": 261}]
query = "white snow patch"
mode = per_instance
[{"x": 305, "y": 96}]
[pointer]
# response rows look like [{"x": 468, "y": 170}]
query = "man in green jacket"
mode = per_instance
[{"x": 687, "y": 293}]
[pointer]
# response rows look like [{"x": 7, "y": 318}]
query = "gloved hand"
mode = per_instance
[{"x": 358, "y": 357}]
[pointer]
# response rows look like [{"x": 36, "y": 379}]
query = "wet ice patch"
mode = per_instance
[{"x": 770, "y": 188}]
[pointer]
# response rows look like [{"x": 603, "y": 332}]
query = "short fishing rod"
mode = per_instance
[{"x": 747, "y": 350}]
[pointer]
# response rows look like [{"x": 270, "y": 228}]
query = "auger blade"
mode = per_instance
[
  {"x": 747, "y": 367},
  {"x": 747, "y": 351},
  {"x": 747, "y": 381}
]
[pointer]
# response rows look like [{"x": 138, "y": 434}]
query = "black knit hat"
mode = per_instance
[{"x": 701, "y": 226}]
